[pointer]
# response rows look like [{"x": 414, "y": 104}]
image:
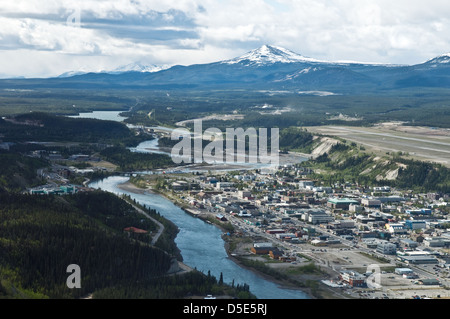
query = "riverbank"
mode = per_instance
[
  {"x": 130, "y": 187},
  {"x": 284, "y": 284}
]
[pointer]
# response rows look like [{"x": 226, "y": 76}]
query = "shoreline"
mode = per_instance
[{"x": 129, "y": 187}]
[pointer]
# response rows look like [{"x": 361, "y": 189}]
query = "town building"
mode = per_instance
[
  {"x": 371, "y": 203},
  {"x": 260, "y": 250},
  {"x": 180, "y": 186},
  {"x": 386, "y": 248},
  {"x": 396, "y": 229},
  {"x": 275, "y": 253},
  {"x": 429, "y": 282},
  {"x": 305, "y": 184},
  {"x": 418, "y": 259},
  {"x": 382, "y": 189},
  {"x": 437, "y": 242},
  {"x": 352, "y": 278},
  {"x": 415, "y": 212},
  {"x": 405, "y": 272},
  {"x": 409, "y": 243},
  {"x": 317, "y": 217},
  {"x": 343, "y": 224},
  {"x": 415, "y": 224},
  {"x": 244, "y": 194},
  {"x": 354, "y": 208},
  {"x": 341, "y": 203},
  {"x": 225, "y": 186}
]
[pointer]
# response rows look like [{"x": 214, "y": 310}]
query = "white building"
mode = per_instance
[
  {"x": 224, "y": 185},
  {"x": 263, "y": 245},
  {"x": 396, "y": 229},
  {"x": 386, "y": 248},
  {"x": 344, "y": 223},
  {"x": 305, "y": 184},
  {"x": 355, "y": 208},
  {"x": 317, "y": 217}
]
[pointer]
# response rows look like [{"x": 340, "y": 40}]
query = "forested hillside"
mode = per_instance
[
  {"x": 133, "y": 161},
  {"x": 345, "y": 162},
  {"x": 44, "y": 127},
  {"x": 18, "y": 171},
  {"x": 41, "y": 235}
]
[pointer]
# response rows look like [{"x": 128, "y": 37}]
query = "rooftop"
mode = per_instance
[{"x": 342, "y": 201}]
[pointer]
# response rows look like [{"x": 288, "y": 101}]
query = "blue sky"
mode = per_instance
[{"x": 49, "y": 37}]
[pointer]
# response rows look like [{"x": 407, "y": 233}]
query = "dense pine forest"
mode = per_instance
[
  {"x": 423, "y": 176},
  {"x": 44, "y": 127},
  {"x": 18, "y": 171},
  {"x": 130, "y": 161},
  {"x": 187, "y": 285},
  {"x": 41, "y": 235}
]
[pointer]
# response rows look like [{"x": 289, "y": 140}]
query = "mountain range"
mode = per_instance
[
  {"x": 131, "y": 67},
  {"x": 267, "y": 67}
]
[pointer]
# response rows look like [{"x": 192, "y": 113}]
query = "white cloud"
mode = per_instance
[{"x": 199, "y": 31}]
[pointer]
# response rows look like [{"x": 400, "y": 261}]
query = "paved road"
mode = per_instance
[{"x": 160, "y": 226}]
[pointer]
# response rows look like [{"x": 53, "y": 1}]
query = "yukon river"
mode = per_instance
[{"x": 201, "y": 244}]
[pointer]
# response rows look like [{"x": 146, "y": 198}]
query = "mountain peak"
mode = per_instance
[
  {"x": 442, "y": 59},
  {"x": 269, "y": 54}
]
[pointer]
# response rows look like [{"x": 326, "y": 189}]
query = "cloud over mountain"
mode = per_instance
[{"x": 60, "y": 36}]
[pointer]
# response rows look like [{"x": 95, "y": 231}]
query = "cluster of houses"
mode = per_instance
[{"x": 386, "y": 220}]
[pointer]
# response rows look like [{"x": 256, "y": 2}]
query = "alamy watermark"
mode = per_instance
[
  {"x": 74, "y": 19},
  {"x": 238, "y": 146},
  {"x": 74, "y": 280},
  {"x": 374, "y": 279}
]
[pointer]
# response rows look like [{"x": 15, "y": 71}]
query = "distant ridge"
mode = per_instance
[
  {"x": 265, "y": 68},
  {"x": 131, "y": 67}
]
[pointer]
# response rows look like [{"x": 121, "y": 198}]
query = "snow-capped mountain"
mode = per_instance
[
  {"x": 131, "y": 67},
  {"x": 138, "y": 67},
  {"x": 267, "y": 55},
  {"x": 442, "y": 59}
]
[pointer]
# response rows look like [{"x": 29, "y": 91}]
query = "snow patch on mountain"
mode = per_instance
[
  {"x": 138, "y": 67},
  {"x": 296, "y": 74},
  {"x": 317, "y": 93},
  {"x": 71, "y": 73}
]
